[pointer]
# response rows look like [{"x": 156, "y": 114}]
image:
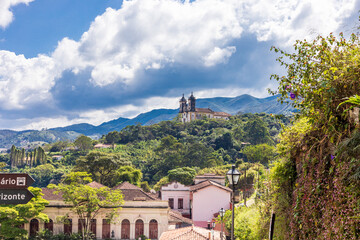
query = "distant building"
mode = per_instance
[
  {"x": 201, "y": 201},
  {"x": 189, "y": 112}
]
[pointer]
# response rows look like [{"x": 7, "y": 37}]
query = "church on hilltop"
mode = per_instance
[{"x": 189, "y": 112}]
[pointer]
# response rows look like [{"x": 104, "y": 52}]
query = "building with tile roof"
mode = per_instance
[
  {"x": 189, "y": 112},
  {"x": 191, "y": 233},
  {"x": 205, "y": 198},
  {"x": 141, "y": 214}
]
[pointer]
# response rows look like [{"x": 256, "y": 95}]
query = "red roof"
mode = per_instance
[
  {"x": 189, "y": 233},
  {"x": 175, "y": 216},
  {"x": 222, "y": 114},
  {"x": 204, "y": 110},
  {"x": 208, "y": 183},
  {"x": 133, "y": 193},
  {"x": 95, "y": 185},
  {"x": 50, "y": 195},
  {"x": 126, "y": 185}
]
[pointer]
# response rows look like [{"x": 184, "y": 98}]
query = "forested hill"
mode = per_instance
[{"x": 241, "y": 104}]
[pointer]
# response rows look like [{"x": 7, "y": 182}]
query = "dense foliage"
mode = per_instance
[
  {"x": 315, "y": 184},
  {"x": 12, "y": 217}
]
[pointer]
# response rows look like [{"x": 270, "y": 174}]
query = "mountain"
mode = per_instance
[{"x": 241, "y": 104}]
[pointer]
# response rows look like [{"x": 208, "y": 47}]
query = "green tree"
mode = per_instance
[
  {"x": 129, "y": 174},
  {"x": 256, "y": 131},
  {"x": 170, "y": 153},
  {"x": 112, "y": 137},
  {"x": 87, "y": 202},
  {"x": 262, "y": 153},
  {"x": 184, "y": 175},
  {"x": 102, "y": 166},
  {"x": 83, "y": 143},
  {"x": 13, "y": 217}
]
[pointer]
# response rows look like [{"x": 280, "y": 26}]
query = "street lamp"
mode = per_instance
[
  {"x": 212, "y": 230},
  {"x": 233, "y": 177},
  {"x": 222, "y": 213}
]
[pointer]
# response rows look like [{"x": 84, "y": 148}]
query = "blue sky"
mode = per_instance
[{"x": 71, "y": 61}]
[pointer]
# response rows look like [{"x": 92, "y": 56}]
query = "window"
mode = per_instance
[
  {"x": 180, "y": 203},
  {"x": 49, "y": 225},
  {"x": 106, "y": 229},
  {"x": 81, "y": 225},
  {"x": 93, "y": 226},
  {"x": 139, "y": 228},
  {"x": 153, "y": 229},
  {"x": 171, "y": 203},
  {"x": 34, "y": 227},
  {"x": 125, "y": 229},
  {"x": 68, "y": 227}
]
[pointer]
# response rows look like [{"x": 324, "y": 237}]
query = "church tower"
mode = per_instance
[
  {"x": 191, "y": 106},
  {"x": 183, "y": 105}
]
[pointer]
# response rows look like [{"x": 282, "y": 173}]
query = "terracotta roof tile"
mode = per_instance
[
  {"x": 189, "y": 233},
  {"x": 208, "y": 183},
  {"x": 49, "y": 194},
  {"x": 95, "y": 185},
  {"x": 204, "y": 110},
  {"x": 133, "y": 193},
  {"x": 222, "y": 114},
  {"x": 175, "y": 216},
  {"x": 126, "y": 185}
]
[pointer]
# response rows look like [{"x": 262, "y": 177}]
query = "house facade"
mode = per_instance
[
  {"x": 189, "y": 112},
  {"x": 178, "y": 197},
  {"x": 207, "y": 198},
  {"x": 201, "y": 201},
  {"x": 141, "y": 214}
]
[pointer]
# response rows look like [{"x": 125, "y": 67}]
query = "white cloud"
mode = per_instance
[
  {"x": 153, "y": 34},
  {"x": 150, "y": 34},
  {"x": 25, "y": 81},
  {"x": 286, "y": 21},
  {"x": 6, "y": 16}
]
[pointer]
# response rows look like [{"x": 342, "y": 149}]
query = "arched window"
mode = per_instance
[
  {"x": 106, "y": 229},
  {"x": 34, "y": 227},
  {"x": 153, "y": 229},
  {"x": 125, "y": 229},
  {"x": 139, "y": 228},
  {"x": 68, "y": 227},
  {"x": 49, "y": 225}
]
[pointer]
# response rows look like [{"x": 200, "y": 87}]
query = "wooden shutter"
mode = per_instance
[
  {"x": 153, "y": 229},
  {"x": 105, "y": 229},
  {"x": 125, "y": 229},
  {"x": 139, "y": 228}
]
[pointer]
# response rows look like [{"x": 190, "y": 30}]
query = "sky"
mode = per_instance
[{"x": 64, "y": 62}]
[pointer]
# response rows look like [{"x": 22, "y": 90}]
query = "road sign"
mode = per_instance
[
  {"x": 15, "y": 180},
  {"x": 15, "y": 196}
]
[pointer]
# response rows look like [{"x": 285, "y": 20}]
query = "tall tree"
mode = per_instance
[
  {"x": 83, "y": 143},
  {"x": 87, "y": 202},
  {"x": 102, "y": 166}
]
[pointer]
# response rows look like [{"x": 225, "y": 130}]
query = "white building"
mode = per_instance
[
  {"x": 189, "y": 112},
  {"x": 178, "y": 196},
  {"x": 201, "y": 201},
  {"x": 141, "y": 214}
]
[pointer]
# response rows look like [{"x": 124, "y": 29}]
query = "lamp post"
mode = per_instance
[
  {"x": 222, "y": 213},
  {"x": 212, "y": 229},
  {"x": 233, "y": 177}
]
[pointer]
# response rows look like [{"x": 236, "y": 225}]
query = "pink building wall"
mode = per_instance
[{"x": 208, "y": 201}]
